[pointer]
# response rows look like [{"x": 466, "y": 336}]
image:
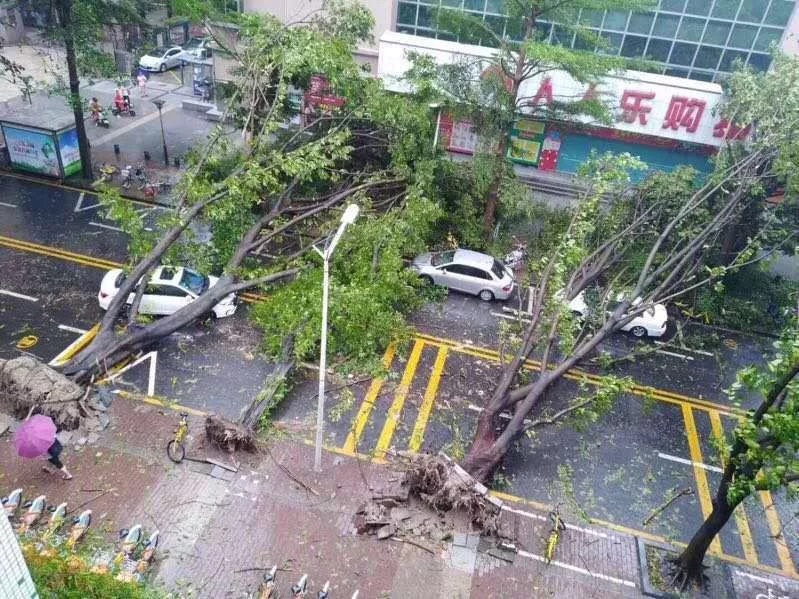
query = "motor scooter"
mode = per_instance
[
  {"x": 123, "y": 107},
  {"x": 99, "y": 119},
  {"x": 11, "y": 503},
  {"x": 32, "y": 514}
]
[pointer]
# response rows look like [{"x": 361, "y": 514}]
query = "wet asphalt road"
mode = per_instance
[{"x": 617, "y": 470}]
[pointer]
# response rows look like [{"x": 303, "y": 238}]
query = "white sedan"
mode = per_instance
[
  {"x": 170, "y": 288},
  {"x": 161, "y": 59},
  {"x": 651, "y": 322}
]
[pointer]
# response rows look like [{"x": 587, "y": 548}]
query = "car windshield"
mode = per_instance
[
  {"x": 158, "y": 52},
  {"x": 193, "y": 43},
  {"x": 498, "y": 269},
  {"x": 442, "y": 258},
  {"x": 193, "y": 281}
]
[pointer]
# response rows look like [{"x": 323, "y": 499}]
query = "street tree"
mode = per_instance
[
  {"x": 761, "y": 453},
  {"x": 638, "y": 247},
  {"x": 267, "y": 204},
  {"x": 492, "y": 92}
]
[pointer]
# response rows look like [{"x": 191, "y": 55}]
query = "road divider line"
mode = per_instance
[
  {"x": 94, "y": 224},
  {"x": 393, "y": 416},
  {"x": 7, "y": 205},
  {"x": 70, "y": 329},
  {"x": 777, "y": 533},
  {"x": 368, "y": 403},
  {"x": 674, "y": 458},
  {"x": 75, "y": 347},
  {"x": 741, "y": 521},
  {"x": 57, "y": 253},
  {"x": 565, "y": 566},
  {"x": 703, "y": 489},
  {"x": 21, "y": 296},
  {"x": 427, "y": 403}
]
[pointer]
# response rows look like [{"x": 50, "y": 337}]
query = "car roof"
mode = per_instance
[
  {"x": 168, "y": 274},
  {"x": 473, "y": 258}
]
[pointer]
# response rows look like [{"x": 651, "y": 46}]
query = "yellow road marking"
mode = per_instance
[
  {"x": 775, "y": 526},
  {"x": 368, "y": 403},
  {"x": 392, "y": 418},
  {"x": 27, "y": 246},
  {"x": 427, "y": 403},
  {"x": 76, "y": 346},
  {"x": 161, "y": 403},
  {"x": 741, "y": 521},
  {"x": 705, "y": 501}
]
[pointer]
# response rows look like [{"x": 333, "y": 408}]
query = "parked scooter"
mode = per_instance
[
  {"x": 57, "y": 517},
  {"x": 123, "y": 107},
  {"x": 32, "y": 514},
  {"x": 267, "y": 588},
  {"x": 130, "y": 539},
  {"x": 99, "y": 119},
  {"x": 135, "y": 569},
  {"x": 11, "y": 503},
  {"x": 514, "y": 258},
  {"x": 80, "y": 525}
]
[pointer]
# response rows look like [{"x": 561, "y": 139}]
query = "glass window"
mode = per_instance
[
  {"x": 425, "y": 16},
  {"x": 403, "y": 29},
  {"x": 640, "y": 22},
  {"x": 683, "y": 53},
  {"x": 495, "y": 6},
  {"x": 726, "y": 9},
  {"x": 716, "y": 32},
  {"x": 613, "y": 42},
  {"x": 447, "y": 36},
  {"x": 513, "y": 29},
  {"x": 672, "y": 5},
  {"x": 729, "y": 57},
  {"x": 194, "y": 281},
  {"x": 633, "y": 46},
  {"x": 562, "y": 36},
  {"x": 677, "y": 72},
  {"x": 542, "y": 30},
  {"x": 442, "y": 258},
  {"x": 767, "y": 37},
  {"x": 615, "y": 19},
  {"x": 666, "y": 25},
  {"x": 658, "y": 50},
  {"x": 691, "y": 29},
  {"x": 759, "y": 62},
  {"x": 751, "y": 10},
  {"x": 779, "y": 13},
  {"x": 406, "y": 15},
  {"x": 496, "y": 24},
  {"x": 698, "y": 7},
  {"x": 591, "y": 17},
  {"x": 451, "y": 3},
  {"x": 476, "y": 5},
  {"x": 581, "y": 43},
  {"x": 743, "y": 36},
  {"x": 707, "y": 57},
  {"x": 701, "y": 76}
]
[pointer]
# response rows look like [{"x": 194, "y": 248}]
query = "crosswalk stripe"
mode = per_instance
[
  {"x": 777, "y": 533},
  {"x": 705, "y": 501},
  {"x": 741, "y": 521},
  {"x": 354, "y": 436},
  {"x": 427, "y": 403},
  {"x": 392, "y": 418}
]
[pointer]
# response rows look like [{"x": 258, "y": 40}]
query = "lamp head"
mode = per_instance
[
  {"x": 350, "y": 214},
  {"x": 159, "y": 103}
]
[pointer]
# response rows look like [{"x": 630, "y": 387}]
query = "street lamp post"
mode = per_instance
[
  {"x": 159, "y": 103},
  {"x": 349, "y": 216}
]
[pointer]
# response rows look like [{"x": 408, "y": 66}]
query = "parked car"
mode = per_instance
[
  {"x": 170, "y": 288},
  {"x": 198, "y": 47},
  {"x": 651, "y": 322},
  {"x": 161, "y": 59},
  {"x": 464, "y": 270}
]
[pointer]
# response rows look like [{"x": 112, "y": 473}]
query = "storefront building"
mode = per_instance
[{"x": 665, "y": 121}]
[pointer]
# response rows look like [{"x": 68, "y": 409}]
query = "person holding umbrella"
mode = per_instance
[{"x": 36, "y": 437}]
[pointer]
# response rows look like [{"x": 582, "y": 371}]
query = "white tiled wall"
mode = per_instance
[{"x": 15, "y": 580}]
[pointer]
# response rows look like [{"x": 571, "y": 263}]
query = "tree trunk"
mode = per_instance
[
  {"x": 64, "y": 14},
  {"x": 492, "y": 197},
  {"x": 690, "y": 560}
]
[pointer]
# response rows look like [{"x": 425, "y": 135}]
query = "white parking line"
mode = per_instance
[
  {"x": 79, "y": 207},
  {"x": 509, "y": 317},
  {"x": 70, "y": 329},
  {"x": 8, "y": 205},
  {"x": 757, "y": 578},
  {"x": 675, "y": 354},
  {"x": 538, "y": 558},
  {"x": 690, "y": 349},
  {"x": 533, "y": 516},
  {"x": 105, "y": 226},
  {"x": 19, "y": 295},
  {"x": 674, "y": 458}
]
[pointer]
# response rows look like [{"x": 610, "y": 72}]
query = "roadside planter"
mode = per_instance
[{"x": 50, "y": 150}]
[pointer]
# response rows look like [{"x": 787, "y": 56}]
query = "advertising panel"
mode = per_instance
[
  {"x": 525, "y": 141},
  {"x": 31, "y": 151},
  {"x": 70, "y": 153}
]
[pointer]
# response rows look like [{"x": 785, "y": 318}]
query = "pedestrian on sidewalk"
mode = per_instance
[
  {"x": 142, "y": 81},
  {"x": 54, "y": 453}
]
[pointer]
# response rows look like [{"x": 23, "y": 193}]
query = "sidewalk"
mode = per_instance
[{"x": 220, "y": 530}]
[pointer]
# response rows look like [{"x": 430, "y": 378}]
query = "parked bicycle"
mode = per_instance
[
  {"x": 554, "y": 534},
  {"x": 175, "y": 449},
  {"x": 105, "y": 172}
]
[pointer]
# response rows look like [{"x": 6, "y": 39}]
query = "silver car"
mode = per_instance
[{"x": 467, "y": 271}]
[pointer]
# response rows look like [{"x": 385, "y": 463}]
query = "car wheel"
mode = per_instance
[
  {"x": 162, "y": 68},
  {"x": 132, "y": 112},
  {"x": 427, "y": 280},
  {"x": 638, "y": 331},
  {"x": 486, "y": 295}
]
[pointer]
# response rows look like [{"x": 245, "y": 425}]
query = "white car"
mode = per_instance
[
  {"x": 651, "y": 322},
  {"x": 170, "y": 289},
  {"x": 197, "y": 47},
  {"x": 161, "y": 59},
  {"x": 464, "y": 270}
]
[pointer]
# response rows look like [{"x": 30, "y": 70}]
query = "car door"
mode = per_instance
[
  {"x": 172, "y": 298},
  {"x": 453, "y": 276},
  {"x": 476, "y": 279},
  {"x": 171, "y": 58},
  {"x": 149, "y": 300}
]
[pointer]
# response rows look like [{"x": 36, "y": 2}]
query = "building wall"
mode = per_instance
[
  {"x": 384, "y": 12},
  {"x": 15, "y": 580},
  {"x": 790, "y": 40}
]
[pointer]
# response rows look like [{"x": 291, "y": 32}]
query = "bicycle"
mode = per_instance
[
  {"x": 175, "y": 449},
  {"x": 554, "y": 534},
  {"x": 106, "y": 172}
]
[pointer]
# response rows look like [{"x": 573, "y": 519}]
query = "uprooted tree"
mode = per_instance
[
  {"x": 264, "y": 206},
  {"x": 761, "y": 454},
  {"x": 631, "y": 249}
]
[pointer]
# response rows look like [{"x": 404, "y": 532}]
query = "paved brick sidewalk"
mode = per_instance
[{"x": 218, "y": 534}]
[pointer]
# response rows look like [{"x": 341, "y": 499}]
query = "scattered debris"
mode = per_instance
[{"x": 663, "y": 506}]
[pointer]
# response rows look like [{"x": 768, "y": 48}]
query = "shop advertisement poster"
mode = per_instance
[
  {"x": 525, "y": 142},
  {"x": 70, "y": 152},
  {"x": 457, "y": 135},
  {"x": 31, "y": 151}
]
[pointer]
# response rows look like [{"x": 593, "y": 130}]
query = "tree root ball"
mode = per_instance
[{"x": 229, "y": 435}]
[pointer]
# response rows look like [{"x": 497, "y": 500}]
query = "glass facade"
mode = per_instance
[{"x": 698, "y": 39}]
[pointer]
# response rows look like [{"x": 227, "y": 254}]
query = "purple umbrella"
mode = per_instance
[{"x": 35, "y": 436}]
